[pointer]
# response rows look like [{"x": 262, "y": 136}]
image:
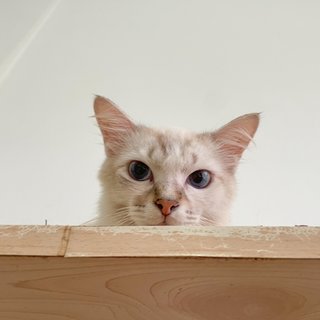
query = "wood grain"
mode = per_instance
[
  {"x": 241, "y": 242},
  {"x": 34, "y": 240},
  {"x": 158, "y": 288},
  {"x": 137, "y": 273}
]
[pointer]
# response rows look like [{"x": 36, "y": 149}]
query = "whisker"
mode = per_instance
[{"x": 206, "y": 221}]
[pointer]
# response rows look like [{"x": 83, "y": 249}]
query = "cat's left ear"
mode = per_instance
[
  {"x": 115, "y": 126},
  {"x": 233, "y": 138}
]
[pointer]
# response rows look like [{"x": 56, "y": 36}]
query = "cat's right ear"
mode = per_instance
[
  {"x": 233, "y": 138},
  {"x": 115, "y": 126}
]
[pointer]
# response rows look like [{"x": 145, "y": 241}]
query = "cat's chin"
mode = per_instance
[{"x": 164, "y": 223}]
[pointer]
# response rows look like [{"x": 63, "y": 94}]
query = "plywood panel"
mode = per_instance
[{"x": 158, "y": 288}]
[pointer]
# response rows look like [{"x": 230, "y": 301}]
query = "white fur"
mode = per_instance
[{"x": 171, "y": 155}]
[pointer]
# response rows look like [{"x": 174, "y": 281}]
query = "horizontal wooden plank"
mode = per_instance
[
  {"x": 178, "y": 273},
  {"x": 34, "y": 240},
  {"x": 53, "y": 288},
  {"x": 236, "y": 242}
]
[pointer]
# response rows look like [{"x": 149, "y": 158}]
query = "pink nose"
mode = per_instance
[{"x": 166, "y": 206}]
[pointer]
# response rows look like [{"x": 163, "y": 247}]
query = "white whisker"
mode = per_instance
[{"x": 204, "y": 221}]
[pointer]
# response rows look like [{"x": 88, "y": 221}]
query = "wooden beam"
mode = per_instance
[
  {"x": 224, "y": 273},
  {"x": 34, "y": 240},
  {"x": 224, "y": 242}
]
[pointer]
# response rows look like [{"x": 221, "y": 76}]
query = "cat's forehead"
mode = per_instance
[
  {"x": 174, "y": 149},
  {"x": 169, "y": 140}
]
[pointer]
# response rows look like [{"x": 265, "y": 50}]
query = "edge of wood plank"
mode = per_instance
[
  {"x": 222, "y": 242},
  {"x": 214, "y": 242},
  {"x": 34, "y": 240}
]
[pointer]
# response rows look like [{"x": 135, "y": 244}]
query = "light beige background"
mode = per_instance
[{"x": 194, "y": 64}]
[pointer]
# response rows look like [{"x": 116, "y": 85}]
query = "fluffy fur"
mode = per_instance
[{"x": 172, "y": 155}]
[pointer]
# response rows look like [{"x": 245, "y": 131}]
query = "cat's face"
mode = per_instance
[{"x": 167, "y": 177}]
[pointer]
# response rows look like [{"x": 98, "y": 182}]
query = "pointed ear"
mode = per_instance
[
  {"x": 233, "y": 138},
  {"x": 115, "y": 126}
]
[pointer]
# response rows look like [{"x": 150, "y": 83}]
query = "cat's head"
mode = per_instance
[{"x": 168, "y": 176}]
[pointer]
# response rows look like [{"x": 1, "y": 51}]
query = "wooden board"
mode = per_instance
[
  {"x": 235, "y": 242},
  {"x": 240, "y": 242},
  {"x": 158, "y": 288},
  {"x": 34, "y": 240},
  {"x": 160, "y": 273}
]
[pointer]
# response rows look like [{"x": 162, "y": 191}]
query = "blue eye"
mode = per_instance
[
  {"x": 139, "y": 171},
  {"x": 199, "y": 179}
]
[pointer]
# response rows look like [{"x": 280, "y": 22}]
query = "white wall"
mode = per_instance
[{"x": 191, "y": 63}]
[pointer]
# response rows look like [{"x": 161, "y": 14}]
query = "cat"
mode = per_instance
[{"x": 156, "y": 177}]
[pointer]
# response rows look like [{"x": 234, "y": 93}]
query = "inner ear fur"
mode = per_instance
[
  {"x": 234, "y": 137},
  {"x": 114, "y": 124}
]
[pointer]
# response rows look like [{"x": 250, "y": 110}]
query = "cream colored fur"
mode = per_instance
[{"x": 172, "y": 155}]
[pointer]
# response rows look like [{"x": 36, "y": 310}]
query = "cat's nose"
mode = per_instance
[{"x": 166, "y": 206}]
